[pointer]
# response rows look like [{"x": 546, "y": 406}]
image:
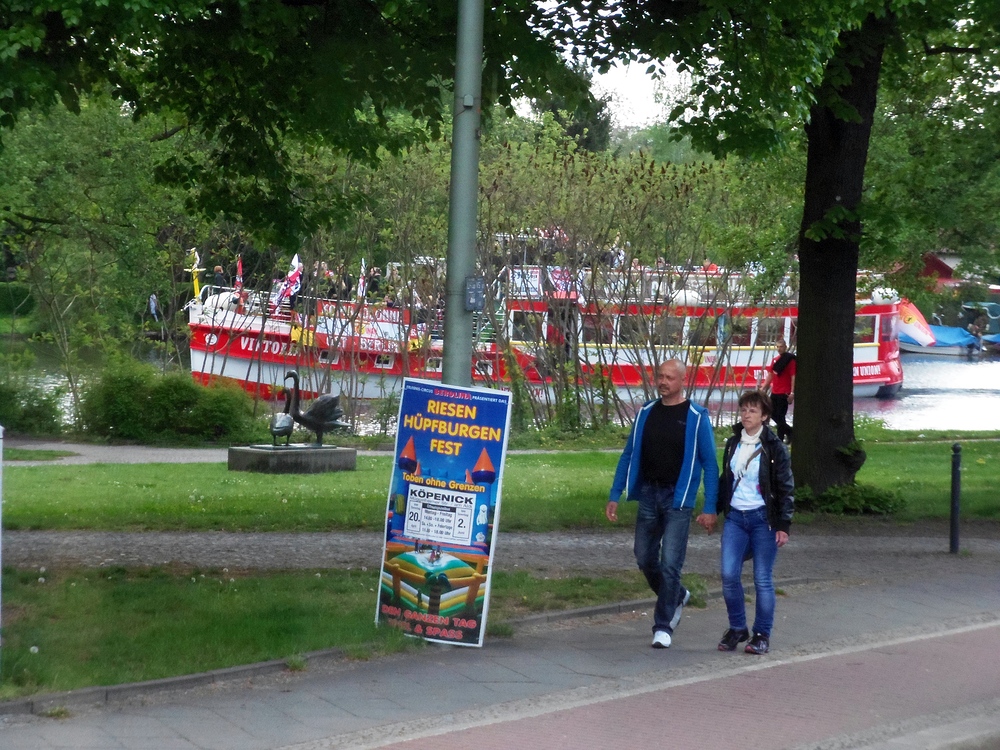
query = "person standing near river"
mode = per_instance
[
  {"x": 670, "y": 445},
  {"x": 781, "y": 382}
]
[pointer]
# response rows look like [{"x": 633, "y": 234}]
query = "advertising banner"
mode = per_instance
[{"x": 443, "y": 511}]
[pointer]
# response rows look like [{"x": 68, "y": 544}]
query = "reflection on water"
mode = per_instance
[{"x": 941, "y": 393}]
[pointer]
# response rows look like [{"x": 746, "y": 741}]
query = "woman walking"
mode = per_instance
[{"x": 755, "y": 493}]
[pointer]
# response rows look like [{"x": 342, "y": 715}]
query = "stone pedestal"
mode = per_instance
[{"x": 292, "y": 459}]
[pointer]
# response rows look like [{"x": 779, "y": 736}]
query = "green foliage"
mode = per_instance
[
  {"x": 29, "y": 409},
  {"x": 131, "y": 401},
  {"x": 222, "y": 412},
  {"x": 332, "y": 76},
  {"x": 16, "y": 299},
  {"x": 851, "y": 499}
]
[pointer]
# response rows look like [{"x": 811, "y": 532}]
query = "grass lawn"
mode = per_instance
[
  {"x": 77, "y": 628},
  {"x": 541, "y": 492}
]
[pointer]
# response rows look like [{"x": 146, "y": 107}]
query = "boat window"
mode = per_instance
[
  {"x": 598, "y": 329},
  {"x": 633, "y": 330},
  {"x": 434, "y": 364},
  {"x": 770, "y": 331},
  {"x": 888, "y": 330},
  {"x": 703, "y": 331},
  {"x": 864, "y": 329},
  {"x": 384, "y": 361},
  {"x": 329, "y": 355},
  {"x": 739, "y": 331},
  {"x": 525, "y": 326},
  {"x": 670, "y": 330}
]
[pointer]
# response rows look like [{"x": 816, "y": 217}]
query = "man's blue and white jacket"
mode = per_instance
[{"x": 699, "y": 457}]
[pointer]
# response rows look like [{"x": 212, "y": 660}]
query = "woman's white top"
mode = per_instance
[{"x": 747, "y": 495}]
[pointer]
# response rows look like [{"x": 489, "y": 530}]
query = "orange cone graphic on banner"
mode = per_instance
[
  {"x": 483, "y": 471},
  {"x": 407, "y": 460}
]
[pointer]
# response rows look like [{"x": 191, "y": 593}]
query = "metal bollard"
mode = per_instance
[{"x": 956, "y": 491}]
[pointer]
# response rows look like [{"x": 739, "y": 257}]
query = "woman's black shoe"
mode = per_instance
[
  {"x": 759, "y": 644},
  {"x": 732, "y": 638}
]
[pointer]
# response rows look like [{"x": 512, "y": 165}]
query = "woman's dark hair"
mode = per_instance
[{"x": 756, "y": 398}]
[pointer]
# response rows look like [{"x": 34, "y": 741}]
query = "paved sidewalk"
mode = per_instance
[{"x": 906, "y": 665}]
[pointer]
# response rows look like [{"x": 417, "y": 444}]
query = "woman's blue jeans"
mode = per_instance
[
  {"x": 749, "y": 531},
  {"x": 661, "y": 536}
]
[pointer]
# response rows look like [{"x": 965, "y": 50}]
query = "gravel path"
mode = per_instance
[
  {"x": 868, "y": 550},
  {"x": 808, "y": 555}
]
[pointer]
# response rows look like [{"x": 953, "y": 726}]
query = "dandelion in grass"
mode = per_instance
[{"x": 33, "y": 649}]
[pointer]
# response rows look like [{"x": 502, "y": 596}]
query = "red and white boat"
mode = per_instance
[{"x": 611, "y": 324}]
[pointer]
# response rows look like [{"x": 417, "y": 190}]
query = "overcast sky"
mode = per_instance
[{"x": 633, "y": 95}]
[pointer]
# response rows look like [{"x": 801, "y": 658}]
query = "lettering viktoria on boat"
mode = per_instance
[{"x": 253, "y": 344}]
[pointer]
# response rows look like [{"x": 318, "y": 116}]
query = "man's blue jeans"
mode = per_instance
[
  {"x": 661, "y": 536},
  {"x": 743, "y": 531}
]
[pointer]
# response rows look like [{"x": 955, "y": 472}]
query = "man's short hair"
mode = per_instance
[{"x": 756, "y": 398}]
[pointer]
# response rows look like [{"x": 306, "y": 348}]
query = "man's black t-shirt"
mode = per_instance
[{"x": 663, "y": 443}]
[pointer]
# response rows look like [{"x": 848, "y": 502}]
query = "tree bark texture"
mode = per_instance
[{"x": 828, "y": 264}]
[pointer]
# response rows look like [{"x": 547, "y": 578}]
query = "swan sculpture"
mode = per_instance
[
  {"x": 322, "y": 415},
  {"x": 282, "y": 424}
]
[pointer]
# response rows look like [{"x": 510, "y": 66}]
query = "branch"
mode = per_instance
[
  {"x": 167, "y": 134},
  {"x": 947, "y": 49},
  {"x": 28, "y": 218}
]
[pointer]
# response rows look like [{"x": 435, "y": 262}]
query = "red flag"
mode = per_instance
[{"x": 239, "y": 273}]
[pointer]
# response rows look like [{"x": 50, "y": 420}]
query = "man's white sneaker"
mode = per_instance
[
  {"x": 677, "y": 612},
  {"x": 661, "y": 639}
]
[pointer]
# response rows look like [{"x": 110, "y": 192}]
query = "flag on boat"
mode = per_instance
[
  {"x": 293, "y": 281},
  {"x": 238, "y": 285},
  {"x": 195, "y": 270},
  {"x": 363, "y": 281}
]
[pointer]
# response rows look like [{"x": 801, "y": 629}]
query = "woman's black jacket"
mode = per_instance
[{"x": 776, "y": 482}]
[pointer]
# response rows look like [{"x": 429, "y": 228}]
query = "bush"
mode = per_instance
[
  {"x": 131, "y": 401},
  {"x": 172, "y": 401},
  {"x": 15, "y": 297},
  {"x": 29, "y": 409},
  {"x": 223, "y": 412},
  {"x": 851, "y": 499},
  {"x": 115, "y": 404}
]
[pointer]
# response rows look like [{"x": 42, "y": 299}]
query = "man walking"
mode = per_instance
[
  {"x": 781, "y": 382},
  {"x": 670, "y": 446}
]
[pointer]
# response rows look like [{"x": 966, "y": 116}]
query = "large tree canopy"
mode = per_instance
[
  {"x": 763, "y": 69},
  {"x": 255, "y": 77}
]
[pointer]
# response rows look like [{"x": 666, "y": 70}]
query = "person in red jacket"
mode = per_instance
[{"x": 781, "y": 383}]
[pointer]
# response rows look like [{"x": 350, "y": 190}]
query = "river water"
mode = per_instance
[{"x": 941, "y": 393}]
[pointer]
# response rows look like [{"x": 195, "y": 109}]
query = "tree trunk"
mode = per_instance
[{"x": 828, "y": 260}]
